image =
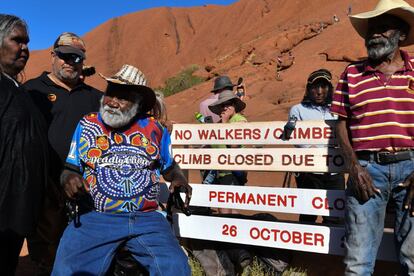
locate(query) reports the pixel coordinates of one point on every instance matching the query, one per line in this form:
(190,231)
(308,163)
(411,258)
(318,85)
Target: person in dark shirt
(63,98)
(23,147)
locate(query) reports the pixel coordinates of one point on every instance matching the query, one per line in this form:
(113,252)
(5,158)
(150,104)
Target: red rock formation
(243,39)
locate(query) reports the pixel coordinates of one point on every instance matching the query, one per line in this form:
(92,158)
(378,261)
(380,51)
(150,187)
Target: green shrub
(182,81)
(256,268)
(196,268)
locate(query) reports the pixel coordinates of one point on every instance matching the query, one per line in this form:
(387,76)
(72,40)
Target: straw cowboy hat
(398,8)
(132,78)
(227,97)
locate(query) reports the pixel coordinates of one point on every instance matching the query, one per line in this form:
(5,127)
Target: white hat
(133,77)
(398,8)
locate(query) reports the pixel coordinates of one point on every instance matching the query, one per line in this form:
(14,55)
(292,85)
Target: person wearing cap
(116,157)
(23,146)
(228,107)
(374,100)
(63,98)
(221,83)
(315,107)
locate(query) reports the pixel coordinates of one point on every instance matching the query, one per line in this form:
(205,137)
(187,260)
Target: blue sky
(47,18)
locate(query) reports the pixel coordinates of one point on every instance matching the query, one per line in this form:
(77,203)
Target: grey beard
(117,118)
(71,78)
(384,47)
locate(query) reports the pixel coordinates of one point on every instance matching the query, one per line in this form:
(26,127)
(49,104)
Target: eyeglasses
(68,58)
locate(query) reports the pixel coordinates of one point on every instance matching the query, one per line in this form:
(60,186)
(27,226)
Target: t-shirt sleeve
(73,160)
(166,151)
(340,99)
(294,111)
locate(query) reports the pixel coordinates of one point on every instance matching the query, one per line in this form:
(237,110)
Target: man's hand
(179,182)
(73,184)
(409,185)
(364,187)
(181,185)
(227,113)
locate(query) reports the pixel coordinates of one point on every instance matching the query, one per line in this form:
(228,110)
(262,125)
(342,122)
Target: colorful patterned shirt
(116,162)
(380,110)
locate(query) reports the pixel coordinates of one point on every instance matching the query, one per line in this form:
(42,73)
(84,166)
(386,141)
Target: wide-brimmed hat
(70,43)
(222,82)
(227,96)
(398,8)
(321,74)
(132,78)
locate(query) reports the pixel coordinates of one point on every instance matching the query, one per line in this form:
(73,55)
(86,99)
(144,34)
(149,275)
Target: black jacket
(23,159)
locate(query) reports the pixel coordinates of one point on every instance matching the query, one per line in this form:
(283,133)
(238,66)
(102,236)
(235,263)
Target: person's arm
(73,184)
(364,187)
(170,170)
(178,181)
(71,178)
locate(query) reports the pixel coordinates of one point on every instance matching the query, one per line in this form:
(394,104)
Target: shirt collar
(408,64)
(49,82)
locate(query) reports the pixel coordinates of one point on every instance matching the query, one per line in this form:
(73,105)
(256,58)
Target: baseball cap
(318,75)
(70,43)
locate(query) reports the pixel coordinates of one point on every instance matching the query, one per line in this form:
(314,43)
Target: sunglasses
(74,58)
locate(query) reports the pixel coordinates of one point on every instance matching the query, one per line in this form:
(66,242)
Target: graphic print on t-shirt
(117,165)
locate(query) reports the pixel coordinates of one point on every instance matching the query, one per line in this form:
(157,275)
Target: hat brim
(360,21)
(148,94)
(217,109)
(65,49)
(320,78)
(218,88)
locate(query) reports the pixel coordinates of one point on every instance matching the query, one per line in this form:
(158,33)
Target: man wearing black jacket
(64,99)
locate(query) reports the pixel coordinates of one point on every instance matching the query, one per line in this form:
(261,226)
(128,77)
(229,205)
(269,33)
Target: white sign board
(263,159)
(309,238)
(257,133)
(266,199)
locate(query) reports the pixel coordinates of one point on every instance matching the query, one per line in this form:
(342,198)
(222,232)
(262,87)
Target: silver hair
(7,24)
(159,111)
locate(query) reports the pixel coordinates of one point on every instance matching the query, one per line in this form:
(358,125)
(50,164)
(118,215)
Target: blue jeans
(364,222)
(89,248)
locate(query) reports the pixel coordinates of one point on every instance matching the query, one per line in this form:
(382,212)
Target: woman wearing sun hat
(228,107)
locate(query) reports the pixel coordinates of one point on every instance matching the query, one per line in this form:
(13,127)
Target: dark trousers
(43,244)
(10,246)
(320,181)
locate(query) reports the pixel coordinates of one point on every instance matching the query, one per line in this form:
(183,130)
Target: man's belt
(385,157)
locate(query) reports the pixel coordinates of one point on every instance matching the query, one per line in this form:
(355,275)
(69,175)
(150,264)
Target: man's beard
(64,76)
(381,47)
(116,118)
